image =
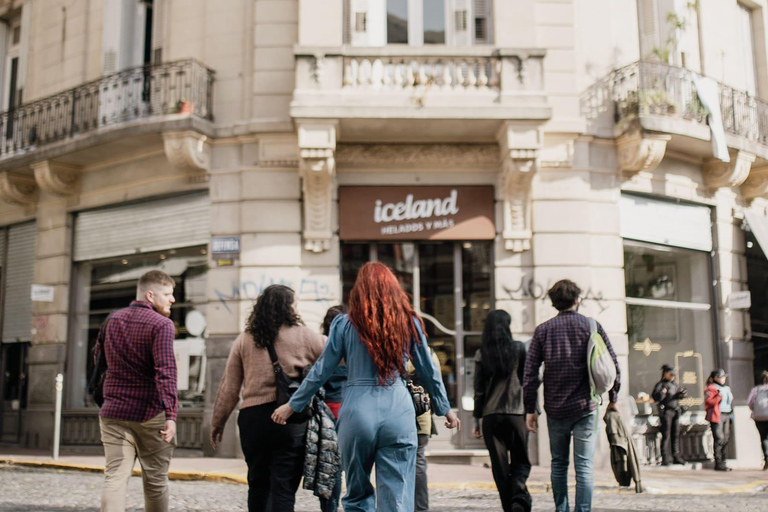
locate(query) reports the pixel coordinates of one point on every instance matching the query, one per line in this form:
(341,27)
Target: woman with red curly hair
(377,420)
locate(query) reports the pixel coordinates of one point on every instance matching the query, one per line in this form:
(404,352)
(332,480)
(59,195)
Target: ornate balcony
(654,97)
(395,91)
(174,91)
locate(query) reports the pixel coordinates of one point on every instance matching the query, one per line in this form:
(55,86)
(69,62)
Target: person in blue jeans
(561,344)
(377,420)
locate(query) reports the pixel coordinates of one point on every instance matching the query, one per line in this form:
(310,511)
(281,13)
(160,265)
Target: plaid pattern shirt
(561,344)
(141,370)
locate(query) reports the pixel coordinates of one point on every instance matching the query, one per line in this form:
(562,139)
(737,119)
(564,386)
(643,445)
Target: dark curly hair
(564,294)
(273,310)
(333,312)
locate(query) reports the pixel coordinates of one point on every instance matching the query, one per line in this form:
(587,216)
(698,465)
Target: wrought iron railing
(650,88)
(184,87)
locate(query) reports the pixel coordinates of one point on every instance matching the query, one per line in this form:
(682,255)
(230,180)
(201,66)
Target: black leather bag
(286,387)
(421,400)
(96,382)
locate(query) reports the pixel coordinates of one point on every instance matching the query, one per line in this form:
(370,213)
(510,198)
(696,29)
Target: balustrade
(441,73)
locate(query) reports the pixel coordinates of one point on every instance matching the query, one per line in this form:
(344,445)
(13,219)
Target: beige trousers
(124,442)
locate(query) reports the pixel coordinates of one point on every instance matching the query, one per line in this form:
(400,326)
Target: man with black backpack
(570,400)
(140,402)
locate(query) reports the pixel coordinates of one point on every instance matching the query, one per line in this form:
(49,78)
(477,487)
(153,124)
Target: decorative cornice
(58,179)
(188,151)
(641,152)
(719,174)
(756,185)
(414,155)
(17,189)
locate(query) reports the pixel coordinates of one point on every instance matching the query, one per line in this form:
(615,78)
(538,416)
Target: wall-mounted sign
(416,213)
(225,245)
(42,293)
(740,300)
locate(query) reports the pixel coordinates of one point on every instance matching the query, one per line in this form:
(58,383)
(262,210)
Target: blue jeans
(584,445)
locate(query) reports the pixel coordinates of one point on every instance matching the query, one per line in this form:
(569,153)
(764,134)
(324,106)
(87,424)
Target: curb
(534,488)
(188,476)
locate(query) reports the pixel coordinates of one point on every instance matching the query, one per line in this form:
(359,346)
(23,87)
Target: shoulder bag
(286,387)
(422,403)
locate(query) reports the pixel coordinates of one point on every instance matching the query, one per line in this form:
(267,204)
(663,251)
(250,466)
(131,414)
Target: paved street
(45,490)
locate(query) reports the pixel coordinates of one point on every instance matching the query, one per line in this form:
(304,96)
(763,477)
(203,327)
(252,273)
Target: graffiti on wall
(307,289)
(529,288)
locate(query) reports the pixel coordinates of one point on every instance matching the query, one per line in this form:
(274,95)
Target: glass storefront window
(431,272)
(107,285)
(477,275)
(669,317)
(400,258)
(436,299)
(353,256)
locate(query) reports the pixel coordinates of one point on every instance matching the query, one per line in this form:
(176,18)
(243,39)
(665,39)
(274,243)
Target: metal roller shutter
(19,274)
(171,223)
(664,222)
(2,248)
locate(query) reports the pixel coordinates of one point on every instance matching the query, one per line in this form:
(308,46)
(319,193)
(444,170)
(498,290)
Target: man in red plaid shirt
(138,418)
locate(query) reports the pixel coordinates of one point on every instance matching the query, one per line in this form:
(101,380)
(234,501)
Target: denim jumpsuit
(377,424)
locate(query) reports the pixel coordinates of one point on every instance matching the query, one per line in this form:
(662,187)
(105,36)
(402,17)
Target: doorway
(451,284)
(13,373)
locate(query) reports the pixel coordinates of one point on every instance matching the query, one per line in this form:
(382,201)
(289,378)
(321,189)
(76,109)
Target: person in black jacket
(667,393)
(499,366)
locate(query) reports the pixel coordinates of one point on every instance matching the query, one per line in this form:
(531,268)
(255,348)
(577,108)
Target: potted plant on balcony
(185,107)
(657,103)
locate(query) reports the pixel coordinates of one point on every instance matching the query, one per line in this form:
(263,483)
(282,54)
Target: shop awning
(758,223)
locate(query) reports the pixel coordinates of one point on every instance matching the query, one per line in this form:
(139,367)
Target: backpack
(602,369)
(760,405)
(96,382)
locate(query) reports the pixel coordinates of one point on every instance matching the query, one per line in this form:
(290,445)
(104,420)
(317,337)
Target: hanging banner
(416,213)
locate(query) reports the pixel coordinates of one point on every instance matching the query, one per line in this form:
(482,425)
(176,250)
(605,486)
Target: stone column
(256,193)
(575,226)
(223,313)
(59,186)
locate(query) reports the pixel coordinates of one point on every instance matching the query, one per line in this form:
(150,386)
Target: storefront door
(452,290)
(13,363)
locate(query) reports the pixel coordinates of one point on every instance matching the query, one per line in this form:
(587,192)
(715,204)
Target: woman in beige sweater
(274,453)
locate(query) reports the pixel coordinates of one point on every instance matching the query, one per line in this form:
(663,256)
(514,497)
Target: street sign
(42,293)
(740,300)
(225,245)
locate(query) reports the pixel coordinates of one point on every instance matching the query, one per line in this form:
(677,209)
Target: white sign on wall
(740,300)
(42,293)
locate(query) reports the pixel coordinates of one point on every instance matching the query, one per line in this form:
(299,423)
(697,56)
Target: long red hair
(384,318)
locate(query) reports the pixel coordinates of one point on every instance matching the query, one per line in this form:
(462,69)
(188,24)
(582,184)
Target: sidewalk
(441,476)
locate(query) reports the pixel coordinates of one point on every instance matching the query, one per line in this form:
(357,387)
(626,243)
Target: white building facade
(483,149)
